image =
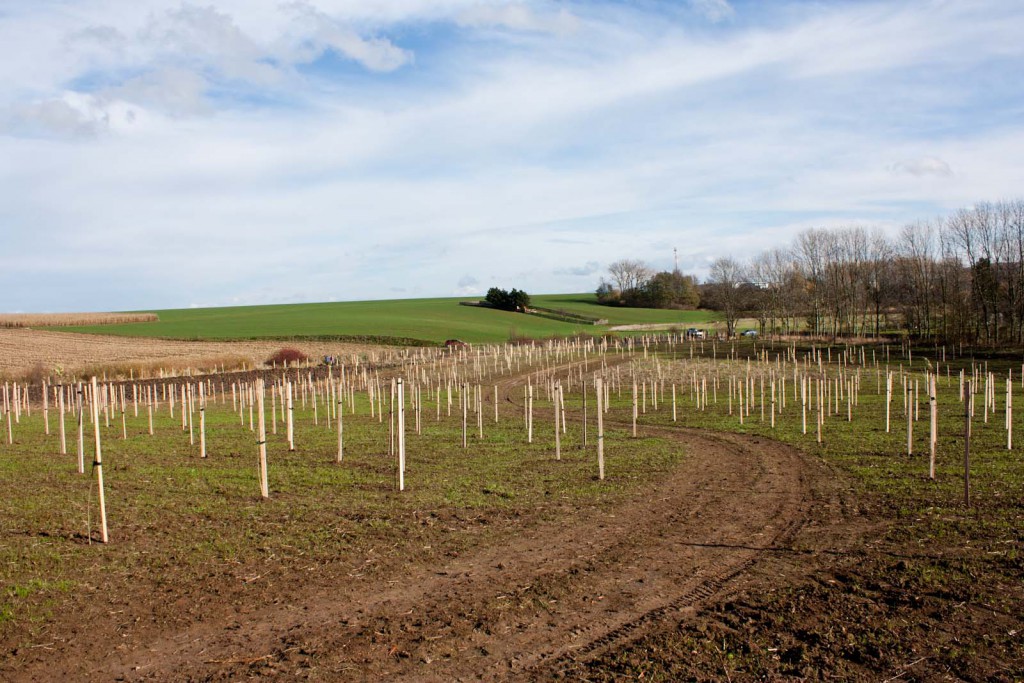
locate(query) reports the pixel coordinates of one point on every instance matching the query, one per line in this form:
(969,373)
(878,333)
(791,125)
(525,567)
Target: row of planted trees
(634,376)
(960,278)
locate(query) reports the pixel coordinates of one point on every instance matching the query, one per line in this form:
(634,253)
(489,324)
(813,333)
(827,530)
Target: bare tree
(810,251)
(629,275)
(725,291)
(877,277)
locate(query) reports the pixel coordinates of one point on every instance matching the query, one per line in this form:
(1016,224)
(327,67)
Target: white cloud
(714,10)
(518,16)
(922,166)
(72,115)
(627,134)
(323,32)
(176,91)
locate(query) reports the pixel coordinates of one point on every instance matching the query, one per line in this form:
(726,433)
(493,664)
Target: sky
(232,152)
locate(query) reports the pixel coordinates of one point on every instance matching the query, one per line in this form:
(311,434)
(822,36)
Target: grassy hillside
(423,319)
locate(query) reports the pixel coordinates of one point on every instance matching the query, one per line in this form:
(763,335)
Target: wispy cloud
(518,16)
(922,167)
(256,151)
(714,10)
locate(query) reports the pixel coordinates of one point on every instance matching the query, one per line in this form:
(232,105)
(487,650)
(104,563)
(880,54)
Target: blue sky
(169,154)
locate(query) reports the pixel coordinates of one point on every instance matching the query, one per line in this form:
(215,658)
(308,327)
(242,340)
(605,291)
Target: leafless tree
(726,291)
(629,275)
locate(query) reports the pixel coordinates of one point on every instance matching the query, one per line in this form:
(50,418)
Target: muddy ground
(750,561)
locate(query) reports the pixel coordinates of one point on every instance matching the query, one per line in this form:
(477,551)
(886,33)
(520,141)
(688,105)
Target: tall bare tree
(725,291)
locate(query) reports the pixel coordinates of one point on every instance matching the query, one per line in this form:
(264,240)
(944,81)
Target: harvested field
(18,320)
(24,351)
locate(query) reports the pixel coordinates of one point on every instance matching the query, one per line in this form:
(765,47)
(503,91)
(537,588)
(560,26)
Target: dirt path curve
(522,609)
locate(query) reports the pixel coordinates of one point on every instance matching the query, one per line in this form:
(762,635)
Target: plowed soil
(21,350)
(523,608)
(529,603)
(749,561)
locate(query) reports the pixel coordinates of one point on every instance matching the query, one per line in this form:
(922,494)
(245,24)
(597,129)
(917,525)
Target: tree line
(958,278)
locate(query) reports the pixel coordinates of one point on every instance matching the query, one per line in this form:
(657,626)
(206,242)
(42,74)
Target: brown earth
(22,350)
(751,561)
(527,603)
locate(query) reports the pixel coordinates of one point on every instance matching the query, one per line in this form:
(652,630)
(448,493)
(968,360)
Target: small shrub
(287,355)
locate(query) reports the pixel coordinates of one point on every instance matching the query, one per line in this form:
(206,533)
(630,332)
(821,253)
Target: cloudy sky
(169,154)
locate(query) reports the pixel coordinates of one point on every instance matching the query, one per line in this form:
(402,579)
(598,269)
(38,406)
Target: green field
(429,320)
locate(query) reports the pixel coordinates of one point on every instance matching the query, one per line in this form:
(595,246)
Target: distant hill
(391,321)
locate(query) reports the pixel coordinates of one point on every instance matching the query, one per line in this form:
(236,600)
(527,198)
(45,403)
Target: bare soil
(525,602)
(22,350)
(751,561)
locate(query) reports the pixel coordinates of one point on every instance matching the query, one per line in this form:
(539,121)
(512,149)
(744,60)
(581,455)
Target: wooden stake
(97,465)
(599,385)
(967,448)
(291,419)
(261,438)
(202,421)
(933,427)
(81,430)
(340,407)
(63,439)
(635,408)
(558,430)
(401,435)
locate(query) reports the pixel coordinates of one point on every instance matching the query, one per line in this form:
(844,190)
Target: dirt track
(559,593)
(527,604)
(524,607)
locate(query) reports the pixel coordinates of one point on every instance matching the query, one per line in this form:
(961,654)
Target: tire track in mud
(533,604)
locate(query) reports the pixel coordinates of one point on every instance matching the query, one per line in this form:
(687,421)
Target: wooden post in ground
(584,413)
(81,429)
(202,421)
(888,399)
(46,411)
(910,428)
(635,408)
(261,438)
(291,418)
(465,415)
(10,429)
(63,437)
(558,429)
(934,426)
(97,465)
(188,400)
(599,385)
(401,435)
(340,407)
(967,447)
(1009,414)
(529,414)
(803,401)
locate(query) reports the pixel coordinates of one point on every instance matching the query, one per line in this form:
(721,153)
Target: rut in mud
(560,592)
(527,606)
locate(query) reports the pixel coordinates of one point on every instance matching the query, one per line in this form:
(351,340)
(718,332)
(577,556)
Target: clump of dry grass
(164,368)
(15,320)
